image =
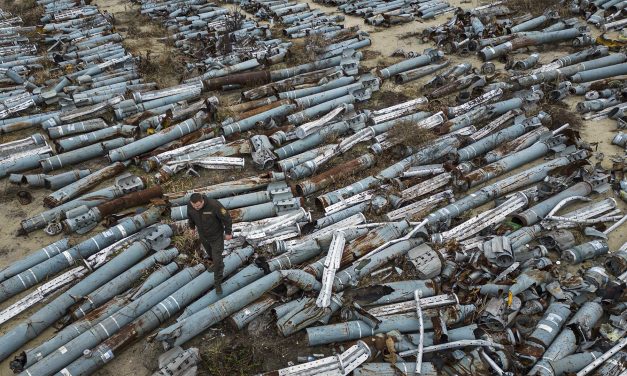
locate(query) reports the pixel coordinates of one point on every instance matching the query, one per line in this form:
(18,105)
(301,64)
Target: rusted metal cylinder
(335,174)
(90,218)
(506,164)
(489,53)
(246,106)
(130,200)
(70,191)
(243,79)
(199,135)
(259,110)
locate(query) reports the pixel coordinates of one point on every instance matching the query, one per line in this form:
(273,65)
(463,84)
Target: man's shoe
(219,289)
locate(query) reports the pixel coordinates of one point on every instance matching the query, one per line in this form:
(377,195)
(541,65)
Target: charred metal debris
(468,229)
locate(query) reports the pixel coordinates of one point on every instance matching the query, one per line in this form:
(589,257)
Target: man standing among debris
(212,222)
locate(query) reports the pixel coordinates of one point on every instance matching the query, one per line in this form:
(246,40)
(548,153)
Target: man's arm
(190,220)
(225,218)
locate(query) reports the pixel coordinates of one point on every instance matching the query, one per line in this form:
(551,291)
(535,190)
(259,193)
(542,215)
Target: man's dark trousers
(214,248)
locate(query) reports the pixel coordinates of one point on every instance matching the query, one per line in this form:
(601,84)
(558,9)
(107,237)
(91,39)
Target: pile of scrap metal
(489,30)
(378,12)
(299,20)
(490,27)
(222,42)
(438,257)
(605,14)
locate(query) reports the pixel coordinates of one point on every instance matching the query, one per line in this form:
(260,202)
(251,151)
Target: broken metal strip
(506,272)
(454,345)
(75,115)
(590,221)
(342,364)
(275,223)
(401,106)
(426,186)
(40,150)
(600,360)
(217,141)
(566,201)
(484,98)
(494,124)
(15,104)
(545,68)
(420,206)
(308,128)
(243,226)
(587,214)
(472,243)
(425,170)
(592,210)
(157,94)
(331,264)
(295,160)
(407,306)
(282,234)
(322,158)
(351,222)
(350,201)
(349,142)
(96,260)
(226,161)
(432,121)
(396,114)
(212,166)
(393,115)
(498,370)
(615,225)
(486,219)
(41,293)
(382,137)
(421,328)
(18,144)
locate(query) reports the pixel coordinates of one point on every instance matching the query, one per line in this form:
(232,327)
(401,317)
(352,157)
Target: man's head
(197,201)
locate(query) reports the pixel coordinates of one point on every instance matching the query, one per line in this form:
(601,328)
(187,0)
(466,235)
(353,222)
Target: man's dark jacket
(212,220)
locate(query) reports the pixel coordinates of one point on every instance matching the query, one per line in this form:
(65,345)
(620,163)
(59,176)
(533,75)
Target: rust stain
(329,177)
(16,127)
(249,105)
(245,79)
(261,109)
(237,214)
(252,183)
(130,200)
(437,329)
(478,176)
(522,42)
(532,351)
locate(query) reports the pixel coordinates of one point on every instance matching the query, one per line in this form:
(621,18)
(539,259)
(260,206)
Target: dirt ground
(224,350)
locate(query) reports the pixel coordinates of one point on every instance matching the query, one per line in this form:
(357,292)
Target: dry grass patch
(382,99)
(408,134)
(561,114)
(222,358)
(537,7)
(180,183)
(164,69)
(28,10)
